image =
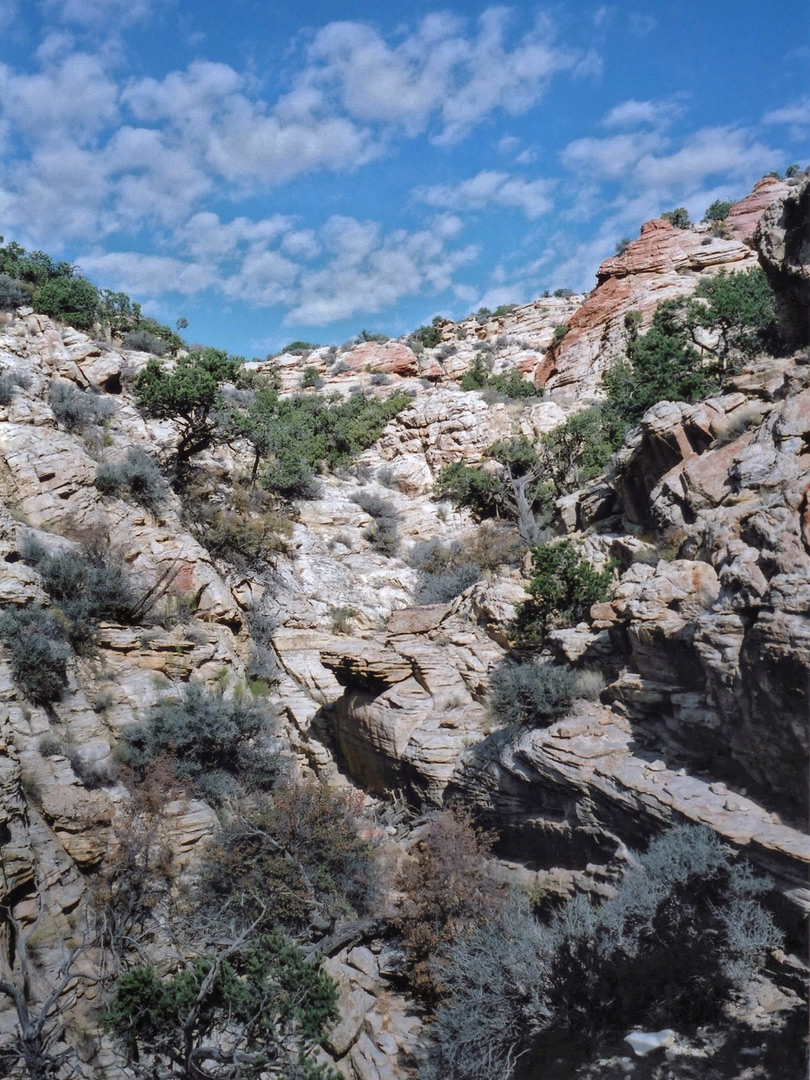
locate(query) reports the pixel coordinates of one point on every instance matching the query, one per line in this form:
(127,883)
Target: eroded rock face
(582,784)
(413,702)
(700,661)
(782,238)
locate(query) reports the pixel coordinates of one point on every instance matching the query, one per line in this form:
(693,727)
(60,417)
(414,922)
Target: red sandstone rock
(390,357)
(743,217)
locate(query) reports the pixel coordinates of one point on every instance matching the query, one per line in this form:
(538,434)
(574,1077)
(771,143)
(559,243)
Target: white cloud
(630,114)
(73,99)
(389,268)
(728,151)
(437,72)
(148,275)
(209,115)
(490,187)
(797,114)
(205,236)
(612,157)
(651,161)
(95,13)
(508,144)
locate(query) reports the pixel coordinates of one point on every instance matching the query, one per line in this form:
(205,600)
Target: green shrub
(564,294)
(468,486)
(559,333)
(562,589)
(428,336)
(191,395)
(379,378)
(299,435)
(219,746)
(39,652)
(718,211)
(289,858)
(516,488)
(73,300)
(508,385)
(530,694)
(311,379)
(742,308)
(76,409)
(299,348)
(679,217)
(137,476)
(254,1003)
(512,386)
(581,448)
(662,365)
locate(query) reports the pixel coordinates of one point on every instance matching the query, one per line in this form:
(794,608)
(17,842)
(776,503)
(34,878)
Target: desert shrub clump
(445,570)
(85,587)
(76,409)
(294,857)
(11,294)
(39,652)
(530,694)
(447,890)
(382,532)
(509,385)
(219,746)
(294,438)
(144,341)
(684,930)
(137,476)
(10,381)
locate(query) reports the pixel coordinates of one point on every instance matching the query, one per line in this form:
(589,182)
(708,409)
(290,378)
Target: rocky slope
(699,711)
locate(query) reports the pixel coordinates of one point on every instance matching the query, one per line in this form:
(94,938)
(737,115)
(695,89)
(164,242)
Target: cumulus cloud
(369,271)
(649,159)
(438,73)
(71,98)
(488,188)
(148,275)
(612,157)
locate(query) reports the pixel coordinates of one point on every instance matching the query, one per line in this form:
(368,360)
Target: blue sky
(275,171)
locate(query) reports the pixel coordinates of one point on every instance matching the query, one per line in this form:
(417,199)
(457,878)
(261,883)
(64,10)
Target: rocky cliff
(698,667)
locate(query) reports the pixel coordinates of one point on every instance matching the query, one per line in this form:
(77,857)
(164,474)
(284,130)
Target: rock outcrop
(783,239)
(664,263)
